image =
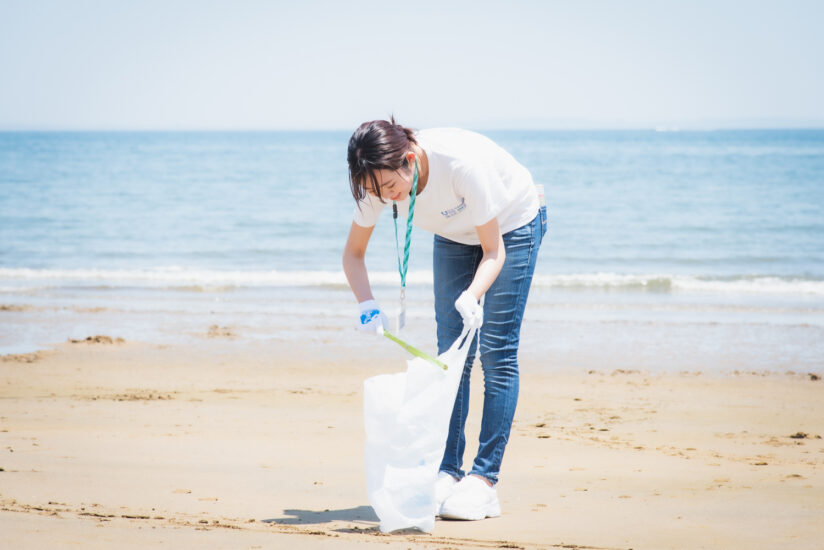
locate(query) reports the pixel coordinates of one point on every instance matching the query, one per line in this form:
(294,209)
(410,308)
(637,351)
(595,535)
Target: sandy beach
(238,444)
(181,365)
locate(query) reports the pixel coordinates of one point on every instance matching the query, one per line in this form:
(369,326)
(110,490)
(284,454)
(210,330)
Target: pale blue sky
(181,64)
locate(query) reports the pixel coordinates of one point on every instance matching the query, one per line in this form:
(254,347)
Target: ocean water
(666,250)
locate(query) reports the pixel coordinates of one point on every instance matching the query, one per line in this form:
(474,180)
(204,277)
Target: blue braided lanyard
(403,266)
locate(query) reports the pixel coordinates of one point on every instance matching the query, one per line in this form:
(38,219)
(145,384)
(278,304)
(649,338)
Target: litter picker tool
(414,351)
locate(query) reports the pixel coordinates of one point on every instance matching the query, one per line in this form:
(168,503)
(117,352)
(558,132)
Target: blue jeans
(454,268)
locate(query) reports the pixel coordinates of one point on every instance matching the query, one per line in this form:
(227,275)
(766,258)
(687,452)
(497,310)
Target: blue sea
(690,250)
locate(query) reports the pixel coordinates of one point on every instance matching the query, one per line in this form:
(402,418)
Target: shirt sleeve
(485,192)
(368,211)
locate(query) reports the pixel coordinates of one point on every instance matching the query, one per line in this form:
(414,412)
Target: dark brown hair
(376,145)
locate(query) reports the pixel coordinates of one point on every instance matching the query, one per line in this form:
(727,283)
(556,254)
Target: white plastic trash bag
(407,419)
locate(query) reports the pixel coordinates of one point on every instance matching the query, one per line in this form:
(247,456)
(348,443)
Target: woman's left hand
(470,310)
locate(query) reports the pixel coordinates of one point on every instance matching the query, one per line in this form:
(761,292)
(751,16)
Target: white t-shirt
(471,180)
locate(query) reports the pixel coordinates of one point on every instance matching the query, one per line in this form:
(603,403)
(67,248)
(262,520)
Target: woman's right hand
(372,320)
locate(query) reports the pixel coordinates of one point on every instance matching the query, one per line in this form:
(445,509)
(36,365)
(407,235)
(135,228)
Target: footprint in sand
(99,339)
(216,331)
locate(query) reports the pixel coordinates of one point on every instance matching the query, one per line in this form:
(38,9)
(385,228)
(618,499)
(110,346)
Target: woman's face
(393,185)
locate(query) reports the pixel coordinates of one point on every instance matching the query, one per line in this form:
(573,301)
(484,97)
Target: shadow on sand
(310,517)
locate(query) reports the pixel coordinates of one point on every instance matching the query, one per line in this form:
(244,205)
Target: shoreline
(184,444)
(388,353)
(567,331)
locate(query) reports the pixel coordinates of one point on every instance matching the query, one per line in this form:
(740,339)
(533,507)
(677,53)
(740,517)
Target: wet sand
(237,444)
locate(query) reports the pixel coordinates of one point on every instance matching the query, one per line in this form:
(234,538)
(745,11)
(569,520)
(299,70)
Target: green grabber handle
(414,351)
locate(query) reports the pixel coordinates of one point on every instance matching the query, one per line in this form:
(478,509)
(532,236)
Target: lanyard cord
(403,267)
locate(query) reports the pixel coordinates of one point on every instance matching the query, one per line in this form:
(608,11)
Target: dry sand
(231,444)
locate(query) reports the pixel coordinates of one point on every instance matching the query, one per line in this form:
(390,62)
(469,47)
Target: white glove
(372,319)
(470,310)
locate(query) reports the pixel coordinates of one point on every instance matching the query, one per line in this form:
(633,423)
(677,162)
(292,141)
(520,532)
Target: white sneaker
(443,488)
(471,499)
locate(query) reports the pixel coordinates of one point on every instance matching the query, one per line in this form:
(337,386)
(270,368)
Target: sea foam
(179,278)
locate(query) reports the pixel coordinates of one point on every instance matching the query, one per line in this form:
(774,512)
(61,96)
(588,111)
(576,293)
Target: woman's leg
(503,312)
(454,266)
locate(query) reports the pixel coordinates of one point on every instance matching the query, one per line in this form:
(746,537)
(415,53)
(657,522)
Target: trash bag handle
(464,339)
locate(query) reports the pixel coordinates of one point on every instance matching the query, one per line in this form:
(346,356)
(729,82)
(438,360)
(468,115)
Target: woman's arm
(492,243)
(354,265)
